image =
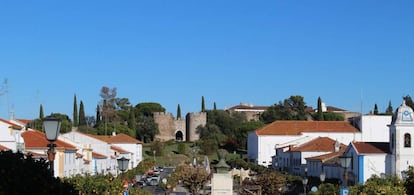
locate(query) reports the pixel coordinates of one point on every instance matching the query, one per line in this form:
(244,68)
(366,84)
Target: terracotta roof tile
(330,156)
(36,139)
(4,147)
(99,156)
(298,127)
(119,150)
(319,144)
(119,138)
(12,125)
(371,147)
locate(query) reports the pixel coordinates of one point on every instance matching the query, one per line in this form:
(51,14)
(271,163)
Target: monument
(222,181)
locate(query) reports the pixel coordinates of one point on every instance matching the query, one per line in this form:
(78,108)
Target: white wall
(374,128)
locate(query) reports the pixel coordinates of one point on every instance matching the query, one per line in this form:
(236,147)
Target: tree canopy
(292,108)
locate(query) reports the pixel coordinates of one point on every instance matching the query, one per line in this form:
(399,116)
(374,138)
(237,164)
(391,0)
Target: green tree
(132,122)
(409,101)
(22,174)
(376,109)
(214,106)
(193,178)
(75,111)
(146,129)
(97,184)
(82,117)
(66,123)
(320,111)
(98,115)
(270,182)
(203,105)
(409,181)
(389,110)
(390,185)
(292,108)
(41,115)
(178,111)
(148,108)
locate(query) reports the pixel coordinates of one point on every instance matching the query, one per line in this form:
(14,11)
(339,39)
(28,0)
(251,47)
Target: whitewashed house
(261,143)
(65,157)
(10,135)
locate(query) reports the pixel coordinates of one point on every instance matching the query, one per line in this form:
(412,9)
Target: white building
(10,135)
(261,143)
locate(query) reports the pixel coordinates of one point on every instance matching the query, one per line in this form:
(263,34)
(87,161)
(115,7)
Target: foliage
(376,109)
(157,146)
(243,130)
(271,183)
(390,185)
(409,101)
(327,189)
(389,110)
(82,116)
(409,181)
(320,111)
(75,112)
(146,129)
(292,108)
(203,104)
(41,114)
(24,175)
(182,148)
(178,111)
(194,178)
(147,108)
(332,116)
(97,184)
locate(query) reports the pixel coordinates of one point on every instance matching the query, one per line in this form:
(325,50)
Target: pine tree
(75,112)
(389,110)
(82,117)
(203,107)
(320,111)
(375,109)
(41,115)
(178,111)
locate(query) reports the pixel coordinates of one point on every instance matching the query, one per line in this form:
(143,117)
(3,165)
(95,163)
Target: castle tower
(194,120)
(401,146)
(169,127)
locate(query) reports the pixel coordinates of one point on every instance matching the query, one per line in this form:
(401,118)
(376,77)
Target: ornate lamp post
(51,126)
(123,164)
(305,183)
(345,163)
(322,177)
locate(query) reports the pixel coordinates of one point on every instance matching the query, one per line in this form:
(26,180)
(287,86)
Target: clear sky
(350,53)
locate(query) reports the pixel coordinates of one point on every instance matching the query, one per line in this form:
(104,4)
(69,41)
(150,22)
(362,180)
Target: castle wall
(194,120)
(168,126)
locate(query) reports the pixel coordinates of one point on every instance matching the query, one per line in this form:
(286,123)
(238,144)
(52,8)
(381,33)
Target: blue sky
(352,54)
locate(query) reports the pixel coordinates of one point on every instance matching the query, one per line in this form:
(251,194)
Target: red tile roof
(371,147)
(333,156)
(99,156)
(12,125)
(36,139)
(119,138)
(319,144)
(4,147)
(119,150)
(298,127)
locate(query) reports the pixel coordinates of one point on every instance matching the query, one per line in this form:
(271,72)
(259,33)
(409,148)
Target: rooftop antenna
(4,91)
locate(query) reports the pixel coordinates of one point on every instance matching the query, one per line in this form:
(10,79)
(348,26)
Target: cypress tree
(375,109)
(98,114)
(41,115)
(132,123)
(178,111)
(215,106)
(82,117)
(320,111)
(203,107)
(389,110)
(75,112)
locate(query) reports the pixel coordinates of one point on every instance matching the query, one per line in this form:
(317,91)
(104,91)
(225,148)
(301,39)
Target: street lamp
(322,177)
(51,126)
(304,182)
(122,164)
(345,163)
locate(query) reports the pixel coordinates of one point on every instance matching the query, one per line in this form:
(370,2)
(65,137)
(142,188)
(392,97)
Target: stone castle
(179,129)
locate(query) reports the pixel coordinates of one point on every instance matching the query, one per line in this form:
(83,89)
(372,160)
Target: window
(407,140)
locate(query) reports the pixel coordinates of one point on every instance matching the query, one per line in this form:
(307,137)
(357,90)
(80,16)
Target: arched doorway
(179,136)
